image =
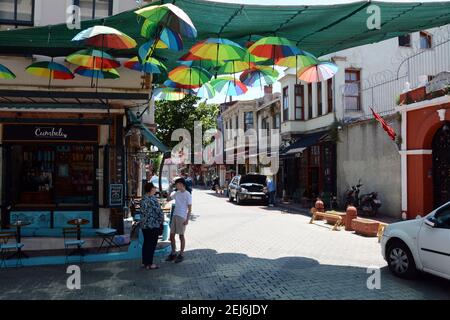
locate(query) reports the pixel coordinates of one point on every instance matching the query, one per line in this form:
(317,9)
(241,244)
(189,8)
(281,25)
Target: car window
(443,217)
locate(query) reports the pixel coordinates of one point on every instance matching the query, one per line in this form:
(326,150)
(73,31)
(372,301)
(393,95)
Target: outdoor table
(18,225)
(78,223)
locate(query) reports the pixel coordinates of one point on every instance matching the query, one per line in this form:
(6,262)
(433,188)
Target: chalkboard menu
(116,195)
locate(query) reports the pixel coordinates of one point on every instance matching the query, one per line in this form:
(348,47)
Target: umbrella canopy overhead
(322,71)
(151,65)
(170,94)
(298,61)
(105,37)
(273,48)
(50,69)
(189,75)
(206,91)
(99,74)
(93,58)
(230,67)
(169,15)
(229,86)
(5,73)
(218,49)
(259,75)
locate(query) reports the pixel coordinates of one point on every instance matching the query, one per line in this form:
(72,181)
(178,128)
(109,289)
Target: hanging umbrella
(105,37)
(229,86)
(206,91)
(151,65)
(273,48)
(322,71)
(166,15)
(260,74)
(172,39)
(93,58)
(192,60)
(145,50)
(96,73)
(230,67)
(5,73)
(302,60)
(218,49)
(189,75)
(170,84)
(169,94)
(50,70)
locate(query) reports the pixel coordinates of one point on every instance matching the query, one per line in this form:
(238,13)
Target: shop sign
(115,195)
(43,132)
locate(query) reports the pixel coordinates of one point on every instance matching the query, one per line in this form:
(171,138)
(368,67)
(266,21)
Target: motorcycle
(367,204)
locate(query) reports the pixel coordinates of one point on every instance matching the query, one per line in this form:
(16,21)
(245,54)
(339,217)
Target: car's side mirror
(430,223)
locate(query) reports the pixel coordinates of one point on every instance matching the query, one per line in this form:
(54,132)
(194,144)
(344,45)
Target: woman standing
(151,219)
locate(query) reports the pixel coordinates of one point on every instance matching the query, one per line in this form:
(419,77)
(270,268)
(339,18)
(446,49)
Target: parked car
(164,184)
(248,187)
(422,244)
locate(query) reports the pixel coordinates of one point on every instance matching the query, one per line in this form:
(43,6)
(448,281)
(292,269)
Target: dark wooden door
(441,165)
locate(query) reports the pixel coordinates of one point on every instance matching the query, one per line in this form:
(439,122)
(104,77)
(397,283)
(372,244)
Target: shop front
(49,174)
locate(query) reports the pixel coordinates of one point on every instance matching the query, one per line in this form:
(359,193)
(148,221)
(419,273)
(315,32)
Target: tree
(172,115)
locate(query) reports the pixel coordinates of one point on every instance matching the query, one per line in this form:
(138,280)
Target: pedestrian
(272,191)
(152,218)
(180,219)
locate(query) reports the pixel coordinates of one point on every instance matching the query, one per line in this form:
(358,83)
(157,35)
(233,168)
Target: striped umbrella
(145,50)
(172,39)
(50,70)
(105,37)
(229,86)
(218,49)
(169,94)
(273,48)
(260,74)
(93,58)
(96,73)
(5,73)
(230,67)
(322,71)
(151,65)
(206,91)
(189,76)
(170,84)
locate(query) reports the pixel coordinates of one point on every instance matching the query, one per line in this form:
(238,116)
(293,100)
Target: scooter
(367,204)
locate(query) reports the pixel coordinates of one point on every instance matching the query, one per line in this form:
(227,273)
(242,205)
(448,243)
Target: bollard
(350,214)
(320,207)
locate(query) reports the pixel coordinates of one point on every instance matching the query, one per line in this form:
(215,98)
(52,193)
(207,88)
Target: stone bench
(366,227)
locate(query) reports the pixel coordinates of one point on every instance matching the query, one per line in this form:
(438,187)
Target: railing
(382,90)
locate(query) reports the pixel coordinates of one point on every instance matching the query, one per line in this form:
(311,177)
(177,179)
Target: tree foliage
(172,115)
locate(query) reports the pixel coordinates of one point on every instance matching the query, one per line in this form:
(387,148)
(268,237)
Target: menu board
(116,195)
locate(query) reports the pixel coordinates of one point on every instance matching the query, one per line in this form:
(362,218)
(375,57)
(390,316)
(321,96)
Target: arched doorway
(441,165)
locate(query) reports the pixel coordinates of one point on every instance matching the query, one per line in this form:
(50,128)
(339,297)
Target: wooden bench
(327,215)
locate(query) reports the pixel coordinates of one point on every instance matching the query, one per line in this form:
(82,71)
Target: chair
(71,239)
(107,235)
(6,247)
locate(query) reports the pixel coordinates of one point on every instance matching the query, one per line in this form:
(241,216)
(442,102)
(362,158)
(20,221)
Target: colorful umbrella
(206,91)
(229,86)
(189,75)
(50,69)
(105,37)
(96,73)
(93,59)
(260,74)
(169,94)
(191,60)
(151,65)
(167,15)
(273,48)
(146,49)
(230,67)
(302,60)
(5,73)
(322,71)
(218,49)
(171,39)
(170,84)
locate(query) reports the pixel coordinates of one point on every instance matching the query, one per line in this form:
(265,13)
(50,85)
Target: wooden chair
(6,247)
(71,240)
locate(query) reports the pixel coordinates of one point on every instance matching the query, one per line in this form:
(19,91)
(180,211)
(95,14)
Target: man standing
(180,219)
(271,189)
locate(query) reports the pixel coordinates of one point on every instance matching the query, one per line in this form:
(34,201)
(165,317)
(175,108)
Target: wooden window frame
(299,91)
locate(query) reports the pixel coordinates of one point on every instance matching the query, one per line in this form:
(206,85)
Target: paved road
(237,252)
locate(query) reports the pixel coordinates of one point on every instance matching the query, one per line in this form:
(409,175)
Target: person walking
(180,219)
(272,191)
(151,219)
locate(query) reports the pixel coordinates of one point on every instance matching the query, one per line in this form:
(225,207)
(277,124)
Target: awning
(146,133)
(304,141)
(319,29)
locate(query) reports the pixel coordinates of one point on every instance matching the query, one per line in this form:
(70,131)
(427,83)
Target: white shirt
(182,201)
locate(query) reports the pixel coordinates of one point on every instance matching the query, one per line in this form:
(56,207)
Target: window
(352,90)
(17,12)
(330,95)
(310,104)
(277,121)
(442,217)
(404,40)
(248,120)
(319,98)
(299,102)
(94,9)
(237,122)
(425,40)
(285,103)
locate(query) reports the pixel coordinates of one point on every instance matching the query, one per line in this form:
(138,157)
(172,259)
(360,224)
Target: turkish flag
(385,126)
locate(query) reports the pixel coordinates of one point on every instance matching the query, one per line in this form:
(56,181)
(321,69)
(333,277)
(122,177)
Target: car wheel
(400,260)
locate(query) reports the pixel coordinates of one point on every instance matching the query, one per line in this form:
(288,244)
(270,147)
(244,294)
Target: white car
(419,245)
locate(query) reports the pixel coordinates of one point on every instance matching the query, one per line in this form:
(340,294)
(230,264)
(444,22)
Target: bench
(327,215)
(366,227)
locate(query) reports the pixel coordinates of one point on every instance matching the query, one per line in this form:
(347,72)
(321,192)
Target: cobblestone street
(237,252)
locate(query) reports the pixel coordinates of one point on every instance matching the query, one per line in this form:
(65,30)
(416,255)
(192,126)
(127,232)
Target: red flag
(385,126)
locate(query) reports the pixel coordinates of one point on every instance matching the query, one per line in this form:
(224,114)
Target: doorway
(441,165)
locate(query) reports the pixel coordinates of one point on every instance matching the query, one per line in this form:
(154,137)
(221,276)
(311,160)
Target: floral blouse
(151,213)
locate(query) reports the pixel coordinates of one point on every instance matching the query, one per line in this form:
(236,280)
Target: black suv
(248,187)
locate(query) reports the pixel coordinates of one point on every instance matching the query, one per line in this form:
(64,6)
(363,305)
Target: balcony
(297,126)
